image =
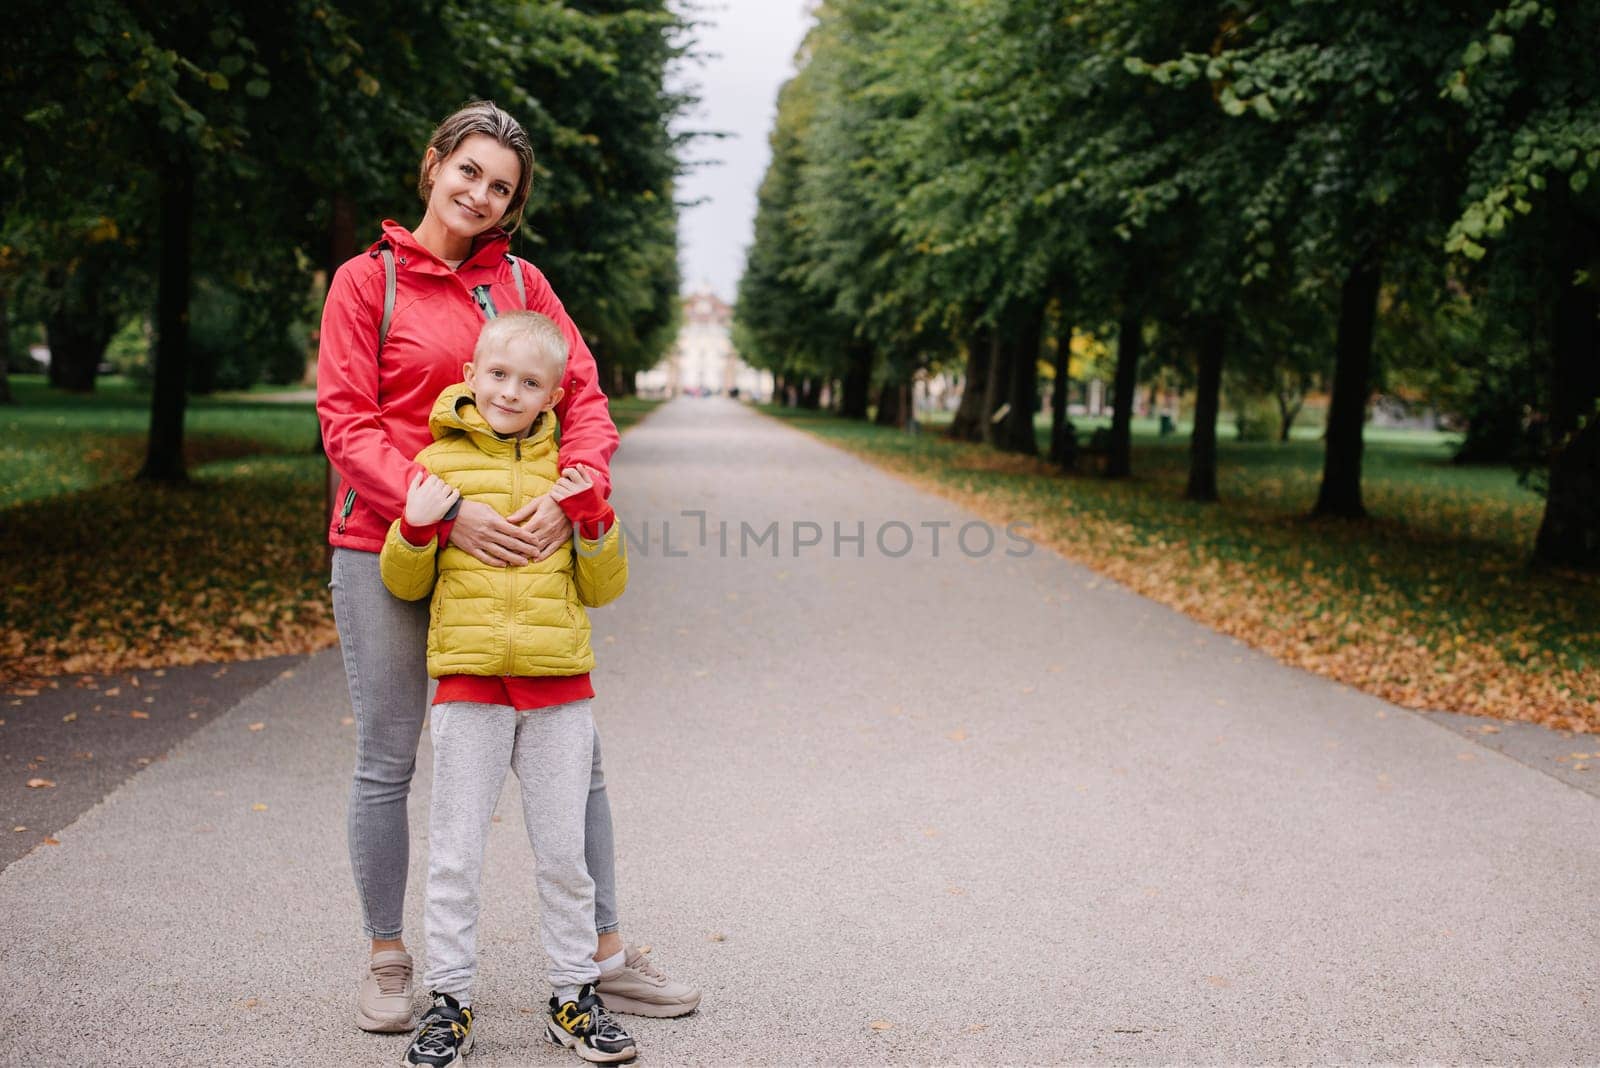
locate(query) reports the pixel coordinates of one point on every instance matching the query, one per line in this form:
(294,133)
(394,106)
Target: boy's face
(511,385)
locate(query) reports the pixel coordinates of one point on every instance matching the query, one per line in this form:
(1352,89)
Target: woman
(449,273)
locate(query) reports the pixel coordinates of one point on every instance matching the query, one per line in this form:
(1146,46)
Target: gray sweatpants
(550,750)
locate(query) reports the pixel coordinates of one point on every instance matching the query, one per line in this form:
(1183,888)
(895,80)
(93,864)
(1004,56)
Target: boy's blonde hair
(536,331)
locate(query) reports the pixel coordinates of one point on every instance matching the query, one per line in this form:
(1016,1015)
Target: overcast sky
(752,45)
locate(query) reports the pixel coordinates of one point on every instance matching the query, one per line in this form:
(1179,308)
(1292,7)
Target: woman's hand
(493,539)
(544,522)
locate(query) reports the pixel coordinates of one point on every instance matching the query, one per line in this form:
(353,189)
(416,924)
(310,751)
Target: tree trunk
(341,232)
(5,349)
(857,382)
(891,408)
(967,425)
(1290,400)
(1063,436)
(164,459)
(1130,346)
(811,394)
(78,329)
(1203,441)
(1340,494)
(1016,431)
(996,382)
(1569,534)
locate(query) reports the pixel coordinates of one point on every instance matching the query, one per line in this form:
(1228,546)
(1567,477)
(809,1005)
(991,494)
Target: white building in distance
(702,361)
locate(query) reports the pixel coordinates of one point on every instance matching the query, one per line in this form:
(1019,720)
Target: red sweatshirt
(375,412)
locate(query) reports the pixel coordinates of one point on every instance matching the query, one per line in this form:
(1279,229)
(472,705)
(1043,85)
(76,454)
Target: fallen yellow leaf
(69,717)
(882,1025)
(138,715)
(258,807)
(258,726)
(39,784)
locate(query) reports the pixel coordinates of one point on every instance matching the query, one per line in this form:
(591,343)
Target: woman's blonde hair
(482,117)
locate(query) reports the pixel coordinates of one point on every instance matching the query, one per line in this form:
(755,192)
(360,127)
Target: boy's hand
(573,481)
(428,499)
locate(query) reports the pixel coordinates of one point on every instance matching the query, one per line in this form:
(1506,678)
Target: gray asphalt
(926,809)
(89,734)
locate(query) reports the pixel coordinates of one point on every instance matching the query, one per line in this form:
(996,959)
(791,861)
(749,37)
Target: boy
(510,648)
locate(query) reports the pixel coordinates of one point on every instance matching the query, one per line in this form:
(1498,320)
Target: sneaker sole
(654,1010)
(391,1025)
(560,1038)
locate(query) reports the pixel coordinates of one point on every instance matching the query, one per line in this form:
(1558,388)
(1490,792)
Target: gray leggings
(384,641)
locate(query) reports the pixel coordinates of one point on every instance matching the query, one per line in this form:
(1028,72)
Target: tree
(1532,219)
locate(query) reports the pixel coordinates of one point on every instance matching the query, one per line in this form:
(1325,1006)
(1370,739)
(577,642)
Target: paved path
(886,810)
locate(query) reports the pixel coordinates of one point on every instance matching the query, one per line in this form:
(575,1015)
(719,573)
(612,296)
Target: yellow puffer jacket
(526,621)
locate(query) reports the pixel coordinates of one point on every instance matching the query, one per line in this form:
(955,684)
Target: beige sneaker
(385,1001)
(639,989)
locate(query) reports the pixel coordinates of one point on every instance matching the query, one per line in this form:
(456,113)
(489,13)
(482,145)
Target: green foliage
(940,164)
(291,118)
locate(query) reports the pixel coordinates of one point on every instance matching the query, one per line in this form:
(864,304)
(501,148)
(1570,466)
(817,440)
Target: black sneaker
(585,1027)
(444,1036)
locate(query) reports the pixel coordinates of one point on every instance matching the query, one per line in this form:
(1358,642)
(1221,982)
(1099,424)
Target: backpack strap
(486,306)
(516,276)
(388,295)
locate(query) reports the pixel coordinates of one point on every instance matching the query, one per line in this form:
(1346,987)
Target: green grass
(54,443)
(1441,562)
(101,572)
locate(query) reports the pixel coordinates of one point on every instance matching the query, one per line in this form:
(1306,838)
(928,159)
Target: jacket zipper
(480,295)
(511,606)
(349,503)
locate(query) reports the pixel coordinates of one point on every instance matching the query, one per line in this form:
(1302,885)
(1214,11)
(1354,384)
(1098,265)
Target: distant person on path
(448,274)
(512,656)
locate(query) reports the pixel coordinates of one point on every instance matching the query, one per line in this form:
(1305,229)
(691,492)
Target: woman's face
(472,186)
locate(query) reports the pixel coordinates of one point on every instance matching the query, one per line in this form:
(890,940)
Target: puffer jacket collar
(455,413)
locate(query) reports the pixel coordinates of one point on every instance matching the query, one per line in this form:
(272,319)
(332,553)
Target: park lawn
(1429,603)
(103,573)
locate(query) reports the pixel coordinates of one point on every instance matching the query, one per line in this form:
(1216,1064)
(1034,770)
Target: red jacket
(375,412)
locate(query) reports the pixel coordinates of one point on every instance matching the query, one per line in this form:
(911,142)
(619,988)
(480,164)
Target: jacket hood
(456,413)
(488,248)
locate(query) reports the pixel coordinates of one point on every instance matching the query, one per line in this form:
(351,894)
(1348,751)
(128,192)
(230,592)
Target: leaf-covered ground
(1430,603)
(102,573)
